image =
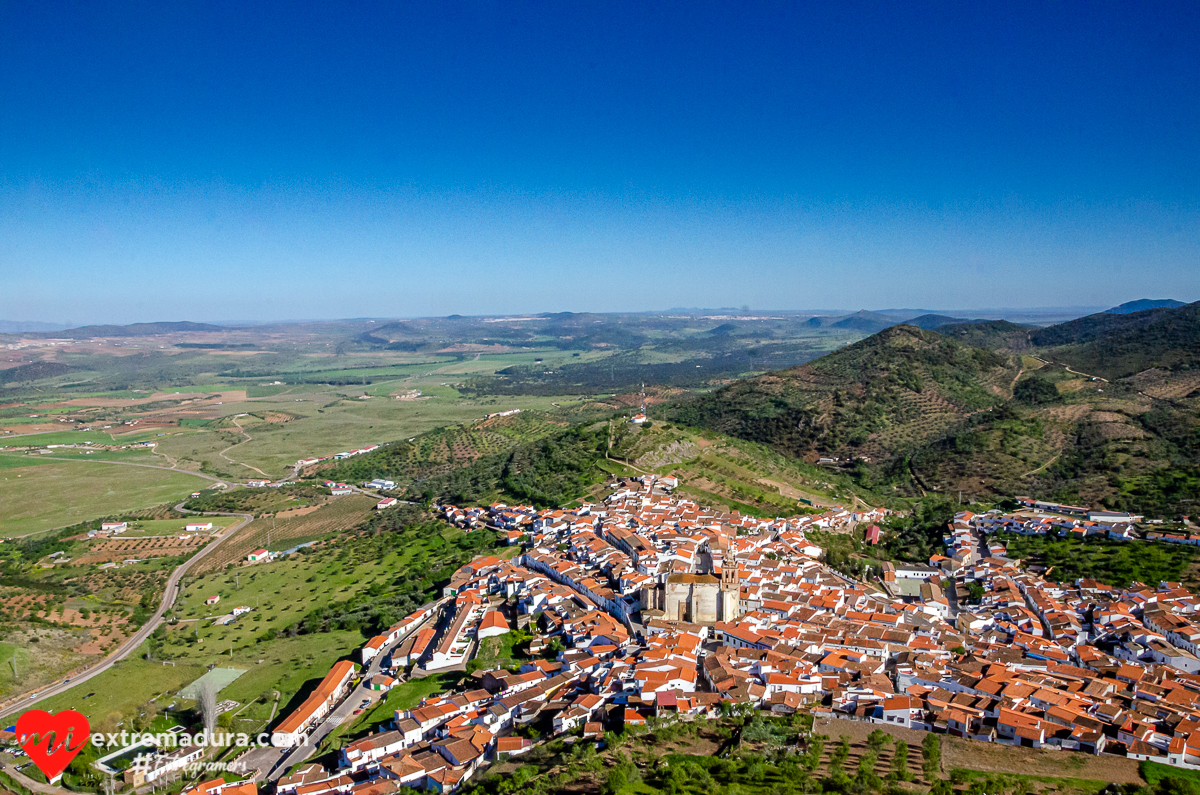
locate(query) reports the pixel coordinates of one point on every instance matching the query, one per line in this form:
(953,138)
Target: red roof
(493,620)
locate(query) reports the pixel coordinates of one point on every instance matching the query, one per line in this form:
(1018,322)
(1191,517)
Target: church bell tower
(731,587)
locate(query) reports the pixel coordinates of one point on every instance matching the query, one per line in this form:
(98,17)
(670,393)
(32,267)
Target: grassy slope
(934,417)
(890,393)
(284,593)
(61,493)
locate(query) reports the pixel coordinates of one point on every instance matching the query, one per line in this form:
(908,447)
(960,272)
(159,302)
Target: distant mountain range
(1103,410)
(132,330)
(23,326)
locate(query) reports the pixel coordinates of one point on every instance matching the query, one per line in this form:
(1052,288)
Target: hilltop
(899,388)
(1143,303)
(993,334)
(132,330)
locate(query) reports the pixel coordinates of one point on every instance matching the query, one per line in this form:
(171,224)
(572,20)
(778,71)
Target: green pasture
(162,527)
(55,437)
(330,422)
(54,494)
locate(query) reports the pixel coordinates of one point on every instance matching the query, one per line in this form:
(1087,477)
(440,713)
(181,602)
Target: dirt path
(1069,370)
(174,464)
(795,494)
(1012,387)
(34,786)
(1043,466)
(239,463)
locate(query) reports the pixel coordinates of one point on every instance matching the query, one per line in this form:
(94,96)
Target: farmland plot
(339,514)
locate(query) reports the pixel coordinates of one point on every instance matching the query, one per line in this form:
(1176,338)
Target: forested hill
(913,411)
(895,390)
(1114,346)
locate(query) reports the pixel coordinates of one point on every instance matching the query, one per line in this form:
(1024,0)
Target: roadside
(35,786)
(170,594)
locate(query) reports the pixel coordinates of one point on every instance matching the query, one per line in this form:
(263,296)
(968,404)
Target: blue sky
(218,161)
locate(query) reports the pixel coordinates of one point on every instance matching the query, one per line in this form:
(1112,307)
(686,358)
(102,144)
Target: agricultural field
(124,548)
(763,755)
(442,450)
(166,527)
(324,421)
(53,494)
(308,611)
(55,437)
(283,532)
(261,501)
(1116,562)
(82,596)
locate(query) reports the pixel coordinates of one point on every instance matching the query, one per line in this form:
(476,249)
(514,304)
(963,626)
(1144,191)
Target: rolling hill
(899,388)
(1116,346)
(992,410)
(132,330)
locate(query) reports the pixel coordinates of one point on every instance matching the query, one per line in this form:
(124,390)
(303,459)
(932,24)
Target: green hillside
(910,412)
(893,391)
(1116,346)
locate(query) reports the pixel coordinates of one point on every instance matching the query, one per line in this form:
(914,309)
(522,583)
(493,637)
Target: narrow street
(287,758)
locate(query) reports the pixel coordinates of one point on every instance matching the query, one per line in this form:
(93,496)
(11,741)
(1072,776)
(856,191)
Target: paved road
(34,786)
(170,594)
(345,711)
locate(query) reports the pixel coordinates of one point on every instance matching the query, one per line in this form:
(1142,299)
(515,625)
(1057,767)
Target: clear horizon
(983,313)
(220,161)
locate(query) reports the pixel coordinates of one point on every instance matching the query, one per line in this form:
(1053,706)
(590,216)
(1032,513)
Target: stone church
(698,598)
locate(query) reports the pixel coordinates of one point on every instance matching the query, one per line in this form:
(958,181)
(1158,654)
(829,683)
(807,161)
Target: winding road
(170,594)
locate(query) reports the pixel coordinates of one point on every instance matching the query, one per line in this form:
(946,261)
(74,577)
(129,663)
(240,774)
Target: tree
(941,787)
(976,591)
(1036,391)
(931,756)
(865,775)
(616,781)
(207,704)
(900,762)
(816,747)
